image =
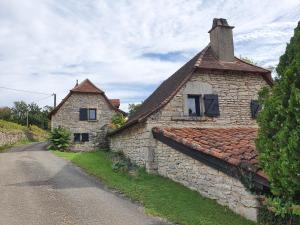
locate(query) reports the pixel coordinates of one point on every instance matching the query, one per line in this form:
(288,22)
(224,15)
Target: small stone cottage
(86,112)
(198,127)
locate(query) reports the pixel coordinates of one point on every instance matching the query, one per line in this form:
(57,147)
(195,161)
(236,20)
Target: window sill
(189,118)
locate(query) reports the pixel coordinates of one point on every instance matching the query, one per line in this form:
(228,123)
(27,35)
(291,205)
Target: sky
(126,47)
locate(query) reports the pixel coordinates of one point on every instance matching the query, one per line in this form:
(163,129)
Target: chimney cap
(220,22)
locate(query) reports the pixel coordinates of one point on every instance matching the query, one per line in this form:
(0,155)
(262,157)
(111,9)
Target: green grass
(3,148)
(160,196)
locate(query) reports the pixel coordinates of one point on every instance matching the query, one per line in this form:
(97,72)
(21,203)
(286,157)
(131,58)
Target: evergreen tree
(278,141)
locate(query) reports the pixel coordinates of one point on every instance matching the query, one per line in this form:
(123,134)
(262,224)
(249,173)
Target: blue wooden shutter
(211,104)
(255,107)
(84,137)
(83,114)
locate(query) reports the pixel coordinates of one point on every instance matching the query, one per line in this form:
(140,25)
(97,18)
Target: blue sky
(126,47)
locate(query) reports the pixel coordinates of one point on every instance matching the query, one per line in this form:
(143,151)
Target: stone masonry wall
(68,117)
(133,142)
(207,181)
(10,137)
(235,92)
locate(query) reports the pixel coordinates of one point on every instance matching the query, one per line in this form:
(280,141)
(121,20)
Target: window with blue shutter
(255,107)
(83,114)
(211,104)
(194,105)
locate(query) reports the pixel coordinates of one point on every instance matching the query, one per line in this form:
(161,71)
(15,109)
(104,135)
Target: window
(86,114)
(199,105)
(92,114)
(194,105)
(84,137)
(81,137)
(76,137)
(255,107)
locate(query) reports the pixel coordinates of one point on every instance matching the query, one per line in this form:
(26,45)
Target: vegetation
(18,114)
(31,134)
(160,196)
(60,139)
(118,120)
(278,140)
(133,108)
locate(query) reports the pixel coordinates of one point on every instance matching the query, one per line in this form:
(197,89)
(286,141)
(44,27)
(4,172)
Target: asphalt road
(38,188)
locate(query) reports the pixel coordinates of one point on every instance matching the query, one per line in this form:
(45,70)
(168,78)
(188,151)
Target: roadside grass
(4,148)
(160,196)
(30,134)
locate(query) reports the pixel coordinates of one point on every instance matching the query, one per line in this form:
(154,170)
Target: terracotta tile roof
(203,61)
(86,86)
(115,102)
(232,145)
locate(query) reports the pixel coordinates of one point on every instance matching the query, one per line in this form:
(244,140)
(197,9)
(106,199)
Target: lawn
(160,196)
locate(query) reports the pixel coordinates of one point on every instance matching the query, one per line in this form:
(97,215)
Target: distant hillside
(11,133)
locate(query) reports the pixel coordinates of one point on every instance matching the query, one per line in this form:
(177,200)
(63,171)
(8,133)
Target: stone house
(86,112)
(198,127)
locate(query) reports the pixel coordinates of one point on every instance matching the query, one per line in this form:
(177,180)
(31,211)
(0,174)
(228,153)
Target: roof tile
(233,145)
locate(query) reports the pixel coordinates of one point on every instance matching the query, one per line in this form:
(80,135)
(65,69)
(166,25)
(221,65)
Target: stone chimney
(221,40)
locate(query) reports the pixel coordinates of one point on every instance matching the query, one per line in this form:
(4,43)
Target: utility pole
(54,98)
(27,118)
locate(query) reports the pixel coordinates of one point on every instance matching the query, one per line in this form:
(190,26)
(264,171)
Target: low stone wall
(11,137)
(209,182)
(133,142)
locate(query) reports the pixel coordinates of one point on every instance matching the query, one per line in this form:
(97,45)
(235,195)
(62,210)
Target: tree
(278,141)
(36,115)
(5,113)
(133,108)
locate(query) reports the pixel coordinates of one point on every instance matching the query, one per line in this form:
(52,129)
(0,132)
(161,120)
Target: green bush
(267,216)
(118,120)
(121,163)
(278,141)
(59,139)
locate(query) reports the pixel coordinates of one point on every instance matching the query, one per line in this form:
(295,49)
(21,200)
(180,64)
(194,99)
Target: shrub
(59,139)
(38,134)
(118,120)
(121,163)
(278,141)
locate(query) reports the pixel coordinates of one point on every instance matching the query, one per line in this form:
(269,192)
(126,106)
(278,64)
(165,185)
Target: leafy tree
(36,115)
(133,108)
(59,139)
(278,141)
(5,113)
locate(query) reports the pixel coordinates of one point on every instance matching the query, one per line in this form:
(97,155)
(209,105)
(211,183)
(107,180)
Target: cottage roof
(88,87)
(204,61)
(234,146)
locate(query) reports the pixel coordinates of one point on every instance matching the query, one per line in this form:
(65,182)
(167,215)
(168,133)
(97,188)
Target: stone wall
(235,92)
(209,182)
(68,117)
(11,137)
(133,142)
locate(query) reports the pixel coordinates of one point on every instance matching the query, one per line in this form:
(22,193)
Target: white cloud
(47,44)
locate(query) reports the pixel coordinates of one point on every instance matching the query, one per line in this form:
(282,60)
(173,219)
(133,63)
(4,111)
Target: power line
(32,92)
(40,99)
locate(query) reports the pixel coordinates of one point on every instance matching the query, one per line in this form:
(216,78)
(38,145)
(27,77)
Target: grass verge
(4,148)
(160,196)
